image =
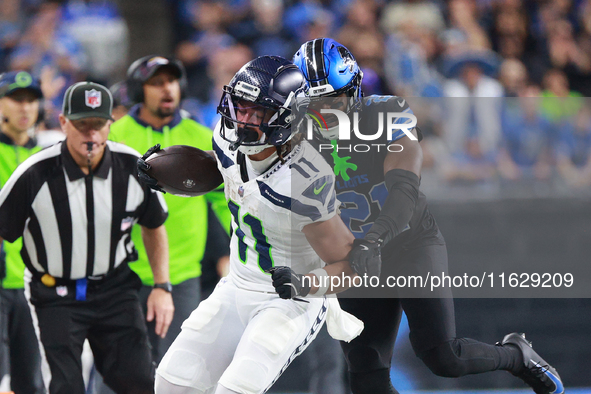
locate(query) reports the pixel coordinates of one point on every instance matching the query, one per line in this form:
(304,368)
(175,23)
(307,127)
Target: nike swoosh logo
(317,191)
(401,103)
(559,387)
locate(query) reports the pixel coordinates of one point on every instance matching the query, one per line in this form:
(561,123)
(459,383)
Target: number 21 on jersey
(261,246)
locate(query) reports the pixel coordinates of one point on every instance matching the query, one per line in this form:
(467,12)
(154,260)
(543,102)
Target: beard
(164,112)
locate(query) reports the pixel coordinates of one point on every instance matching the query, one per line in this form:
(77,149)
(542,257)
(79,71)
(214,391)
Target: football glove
(366,257)
(143,167)
(288,284)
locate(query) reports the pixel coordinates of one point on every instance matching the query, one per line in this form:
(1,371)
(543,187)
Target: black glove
(366,257)
(288,284)
(143,167)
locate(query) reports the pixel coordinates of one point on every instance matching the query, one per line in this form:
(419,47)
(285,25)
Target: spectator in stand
(361,34)
(585,41)
(416,15)
(102,32)
(463,15)
(513,77)
(309,20)
(46,44)
(209,18)
(410,61)
(222,67)
(472,127)
(573,155)
(512,38)
(264,31)
(11,27)
(559,101)
(565,54)
(525,151)
(362,16)
(370,56)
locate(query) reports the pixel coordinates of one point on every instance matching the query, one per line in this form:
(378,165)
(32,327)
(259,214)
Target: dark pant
(185,296)
(19,333)
(432,329)
(111,319)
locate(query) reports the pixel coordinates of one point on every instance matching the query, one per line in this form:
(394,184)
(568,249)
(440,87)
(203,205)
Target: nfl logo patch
(93,98)
(61,291)
(241,191)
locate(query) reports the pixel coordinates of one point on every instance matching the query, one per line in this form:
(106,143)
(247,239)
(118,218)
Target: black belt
(92,280)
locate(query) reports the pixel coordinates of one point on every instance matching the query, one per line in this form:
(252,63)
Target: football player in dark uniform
(384,208)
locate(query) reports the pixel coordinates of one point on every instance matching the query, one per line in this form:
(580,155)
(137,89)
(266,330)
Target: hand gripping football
(184,171)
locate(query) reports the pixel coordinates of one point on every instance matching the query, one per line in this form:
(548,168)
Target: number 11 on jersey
(261,246)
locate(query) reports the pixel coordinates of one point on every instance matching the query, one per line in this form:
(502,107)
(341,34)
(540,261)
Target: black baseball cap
(87,100)
(144,68)
(15,80)
(120,93)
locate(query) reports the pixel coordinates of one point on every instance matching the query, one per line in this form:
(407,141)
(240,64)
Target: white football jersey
(270,211)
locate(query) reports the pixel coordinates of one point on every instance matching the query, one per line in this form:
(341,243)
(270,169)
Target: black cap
(87,100)
(15,80)
(121,95)
(144,68)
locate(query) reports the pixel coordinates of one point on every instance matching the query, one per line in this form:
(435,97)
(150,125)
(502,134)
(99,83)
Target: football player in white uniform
(281,195)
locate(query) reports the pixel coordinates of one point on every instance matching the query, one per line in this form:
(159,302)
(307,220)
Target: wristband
(323,280)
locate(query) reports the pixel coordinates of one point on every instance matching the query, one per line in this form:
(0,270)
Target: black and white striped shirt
(73,225)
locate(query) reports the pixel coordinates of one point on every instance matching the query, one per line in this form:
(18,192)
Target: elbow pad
(403,193)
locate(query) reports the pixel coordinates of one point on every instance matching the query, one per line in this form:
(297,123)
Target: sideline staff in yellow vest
(157,84)
(20,97)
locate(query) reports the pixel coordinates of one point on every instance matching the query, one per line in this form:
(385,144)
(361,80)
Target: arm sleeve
(403,193)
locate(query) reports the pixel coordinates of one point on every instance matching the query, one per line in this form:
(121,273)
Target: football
(184,171)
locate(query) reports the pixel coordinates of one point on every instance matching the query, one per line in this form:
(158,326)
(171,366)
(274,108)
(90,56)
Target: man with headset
(158,83)
(20,105)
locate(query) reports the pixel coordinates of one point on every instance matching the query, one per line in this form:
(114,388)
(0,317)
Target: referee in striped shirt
(74,204)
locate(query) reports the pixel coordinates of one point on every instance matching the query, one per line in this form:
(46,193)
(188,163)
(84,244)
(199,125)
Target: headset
(143,68)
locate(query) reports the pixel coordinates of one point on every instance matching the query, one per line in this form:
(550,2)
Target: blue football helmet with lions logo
(269,83)
(330,70)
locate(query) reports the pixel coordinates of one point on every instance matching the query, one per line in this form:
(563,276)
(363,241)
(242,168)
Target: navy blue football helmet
(330,70)
(268,83)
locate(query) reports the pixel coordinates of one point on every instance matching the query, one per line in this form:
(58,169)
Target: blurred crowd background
(499,88)
(505,79)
